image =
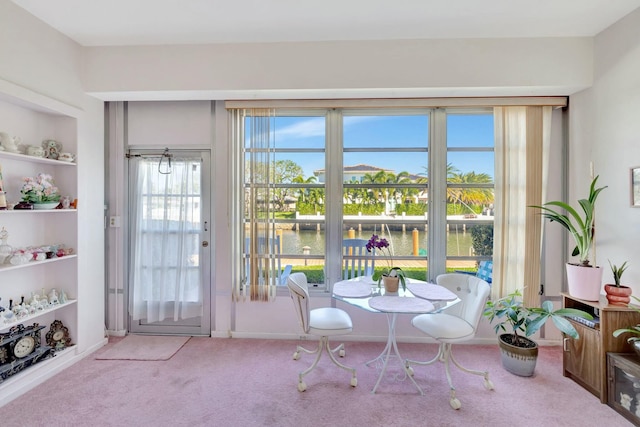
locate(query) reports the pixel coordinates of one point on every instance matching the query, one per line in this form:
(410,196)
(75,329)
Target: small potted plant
(583,279)
(40,191)
(617,293)
(391,276)
(519,353)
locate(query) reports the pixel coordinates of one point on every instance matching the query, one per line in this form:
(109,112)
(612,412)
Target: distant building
(353,173)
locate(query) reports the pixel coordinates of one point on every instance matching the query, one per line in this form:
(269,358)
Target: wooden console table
(585,360)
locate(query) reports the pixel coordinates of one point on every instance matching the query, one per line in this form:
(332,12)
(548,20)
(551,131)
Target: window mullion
(333,207)
(437,238)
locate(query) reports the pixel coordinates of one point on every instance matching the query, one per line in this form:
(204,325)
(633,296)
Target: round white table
(363,293)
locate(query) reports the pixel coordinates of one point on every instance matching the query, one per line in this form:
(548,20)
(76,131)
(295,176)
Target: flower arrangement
(382,245)
(40,189)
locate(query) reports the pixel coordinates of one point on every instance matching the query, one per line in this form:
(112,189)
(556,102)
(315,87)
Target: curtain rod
(554,101)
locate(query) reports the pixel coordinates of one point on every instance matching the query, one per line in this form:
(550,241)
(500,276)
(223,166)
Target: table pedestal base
(386,355)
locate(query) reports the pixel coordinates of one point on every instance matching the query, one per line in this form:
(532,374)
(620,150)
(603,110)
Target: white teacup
(34,150)
(66,157)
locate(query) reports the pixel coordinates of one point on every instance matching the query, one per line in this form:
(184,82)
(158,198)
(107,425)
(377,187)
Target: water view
(458,242)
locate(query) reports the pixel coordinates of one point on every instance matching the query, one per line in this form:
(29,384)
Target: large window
(385,183)
(327,175)
(470,188)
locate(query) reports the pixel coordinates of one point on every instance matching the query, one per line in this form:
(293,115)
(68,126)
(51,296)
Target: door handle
(565,342)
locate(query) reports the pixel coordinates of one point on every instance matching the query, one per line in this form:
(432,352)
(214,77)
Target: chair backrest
(485,271)
(473,293)
(299,292)
(357,261)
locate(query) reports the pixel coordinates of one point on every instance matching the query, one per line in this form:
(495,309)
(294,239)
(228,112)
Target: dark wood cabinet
(585,359)
(623,374)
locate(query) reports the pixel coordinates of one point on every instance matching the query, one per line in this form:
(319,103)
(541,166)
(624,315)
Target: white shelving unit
(35,118)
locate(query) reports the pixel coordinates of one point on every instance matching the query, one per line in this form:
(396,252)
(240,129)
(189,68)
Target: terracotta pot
(584,282)
(390,284)
(618,294)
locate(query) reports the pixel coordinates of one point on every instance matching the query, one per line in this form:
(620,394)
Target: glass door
(169,234)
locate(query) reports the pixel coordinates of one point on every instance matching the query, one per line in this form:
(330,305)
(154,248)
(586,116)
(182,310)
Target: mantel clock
(20,348)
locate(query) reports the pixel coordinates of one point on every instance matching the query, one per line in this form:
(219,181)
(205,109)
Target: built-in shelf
(28,318)
(34,159)
(35,263)
(39,118)
(32,211)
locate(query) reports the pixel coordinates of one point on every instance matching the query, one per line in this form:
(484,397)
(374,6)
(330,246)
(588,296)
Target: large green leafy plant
(581,227)
(513,317)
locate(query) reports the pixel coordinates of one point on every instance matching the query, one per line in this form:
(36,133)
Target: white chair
(456,324)
(323,322)
(357,260)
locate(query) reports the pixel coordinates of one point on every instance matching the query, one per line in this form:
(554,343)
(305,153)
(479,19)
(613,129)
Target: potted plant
(617,293)
(391,276)
(583,279)
(40,191)
(519,353)
(634,339)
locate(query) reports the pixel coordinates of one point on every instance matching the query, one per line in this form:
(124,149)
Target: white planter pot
(584,282)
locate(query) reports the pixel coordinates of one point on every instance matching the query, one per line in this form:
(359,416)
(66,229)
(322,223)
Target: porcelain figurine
(625,401)
(9,143)
(53,297)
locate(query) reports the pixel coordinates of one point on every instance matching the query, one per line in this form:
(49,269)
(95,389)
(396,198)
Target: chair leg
(340,349)
(408,362)
(323,344)
(445,355)
(487,382)
(354,380)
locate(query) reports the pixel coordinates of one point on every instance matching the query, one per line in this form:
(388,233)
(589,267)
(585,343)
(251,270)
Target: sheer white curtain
(165,208)
(523,136)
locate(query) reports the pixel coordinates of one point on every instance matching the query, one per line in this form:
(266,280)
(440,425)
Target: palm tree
(470,196)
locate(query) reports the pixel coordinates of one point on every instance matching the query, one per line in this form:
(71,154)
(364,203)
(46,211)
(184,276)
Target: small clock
(58,336)
(20,348)
(24,346)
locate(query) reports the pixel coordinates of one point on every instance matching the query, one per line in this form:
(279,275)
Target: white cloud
(304,129)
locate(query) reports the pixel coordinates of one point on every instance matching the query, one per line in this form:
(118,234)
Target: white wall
(547,66)
(605,130)
(603,125)
(42,60)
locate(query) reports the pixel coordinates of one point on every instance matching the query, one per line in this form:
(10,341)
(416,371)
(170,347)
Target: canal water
(401,243)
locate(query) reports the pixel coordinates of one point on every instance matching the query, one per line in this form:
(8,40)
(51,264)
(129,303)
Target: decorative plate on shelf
(52,149)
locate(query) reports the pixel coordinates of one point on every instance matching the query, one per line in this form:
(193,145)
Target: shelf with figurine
(32,263)
(37,193)
(11,258)
(7,322)
(50,152)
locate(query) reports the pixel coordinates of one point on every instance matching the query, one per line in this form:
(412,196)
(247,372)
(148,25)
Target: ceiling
(154,22)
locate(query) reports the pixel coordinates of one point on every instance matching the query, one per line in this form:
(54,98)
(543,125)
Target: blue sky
(395,131)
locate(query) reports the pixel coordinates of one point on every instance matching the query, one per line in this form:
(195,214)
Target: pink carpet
(244,382)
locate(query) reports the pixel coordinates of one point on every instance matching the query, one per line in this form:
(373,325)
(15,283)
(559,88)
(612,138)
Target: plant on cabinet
(583,279)
(519,353)
(617,293)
